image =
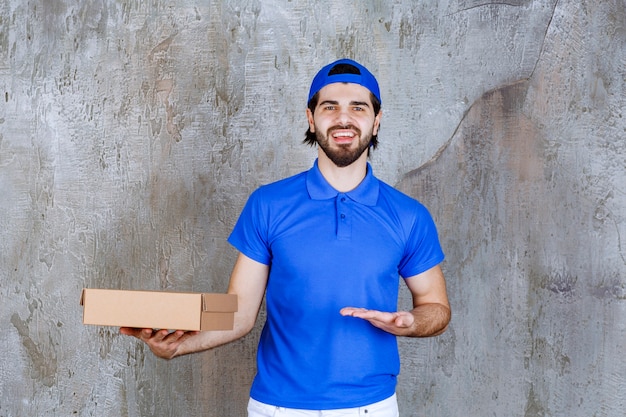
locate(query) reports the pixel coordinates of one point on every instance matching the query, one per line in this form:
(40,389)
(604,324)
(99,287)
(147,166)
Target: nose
(343,117)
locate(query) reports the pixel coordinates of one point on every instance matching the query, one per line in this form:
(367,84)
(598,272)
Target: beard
(342,155)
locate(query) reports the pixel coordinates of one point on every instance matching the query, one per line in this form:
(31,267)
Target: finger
(145,335)
(367,314)
(132,331)
(165,336)
(180,335)
(128,331)
(173,336)
(351,311)
(156,335)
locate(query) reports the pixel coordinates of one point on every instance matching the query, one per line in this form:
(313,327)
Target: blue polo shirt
(328,250)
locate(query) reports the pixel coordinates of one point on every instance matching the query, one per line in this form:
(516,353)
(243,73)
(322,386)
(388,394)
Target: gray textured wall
(132,132)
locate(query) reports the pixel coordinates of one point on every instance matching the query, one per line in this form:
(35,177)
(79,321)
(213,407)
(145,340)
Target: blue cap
(366,79)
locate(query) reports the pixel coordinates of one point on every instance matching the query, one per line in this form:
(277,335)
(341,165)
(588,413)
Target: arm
(248,281)
(430,314)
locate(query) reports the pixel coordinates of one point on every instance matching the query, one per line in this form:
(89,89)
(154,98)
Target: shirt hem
(315,406)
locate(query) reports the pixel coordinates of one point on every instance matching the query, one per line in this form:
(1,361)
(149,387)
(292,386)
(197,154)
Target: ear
(377,122)
(309,117)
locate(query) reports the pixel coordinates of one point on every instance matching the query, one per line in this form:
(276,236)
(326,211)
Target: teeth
(344,134)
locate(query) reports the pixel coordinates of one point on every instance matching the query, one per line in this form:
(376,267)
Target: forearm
(425,320)
(429,320)
(211,339)
(248,281)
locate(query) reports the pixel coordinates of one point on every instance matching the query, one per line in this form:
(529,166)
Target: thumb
(404,319)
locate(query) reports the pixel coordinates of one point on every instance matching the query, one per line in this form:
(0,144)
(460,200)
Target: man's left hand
(395,323)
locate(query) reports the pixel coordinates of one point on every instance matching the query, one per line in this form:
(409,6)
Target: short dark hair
(342,68)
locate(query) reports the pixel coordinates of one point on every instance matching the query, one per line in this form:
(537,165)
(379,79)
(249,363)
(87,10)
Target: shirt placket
(344,217)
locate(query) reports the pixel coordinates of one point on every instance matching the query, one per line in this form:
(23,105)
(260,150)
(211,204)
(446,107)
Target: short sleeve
(249,236)
(423,249)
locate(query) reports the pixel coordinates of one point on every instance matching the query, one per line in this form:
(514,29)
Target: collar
(319,189)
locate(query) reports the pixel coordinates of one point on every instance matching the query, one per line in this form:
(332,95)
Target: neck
(342,179)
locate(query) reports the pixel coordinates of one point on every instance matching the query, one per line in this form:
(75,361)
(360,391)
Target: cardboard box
(158,309)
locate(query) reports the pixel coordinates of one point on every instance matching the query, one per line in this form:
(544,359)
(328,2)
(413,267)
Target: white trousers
(384,408)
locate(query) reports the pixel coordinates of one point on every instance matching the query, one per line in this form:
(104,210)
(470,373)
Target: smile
(343,134)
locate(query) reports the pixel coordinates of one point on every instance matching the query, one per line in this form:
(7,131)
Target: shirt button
(343,216)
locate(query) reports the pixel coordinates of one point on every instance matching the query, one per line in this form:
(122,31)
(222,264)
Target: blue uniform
(328,250)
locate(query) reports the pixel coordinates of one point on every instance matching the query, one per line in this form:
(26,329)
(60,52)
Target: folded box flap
(219,302)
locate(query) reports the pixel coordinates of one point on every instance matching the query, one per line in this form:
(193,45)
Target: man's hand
(430,314)
(425,320)
(161,342)
(397,323)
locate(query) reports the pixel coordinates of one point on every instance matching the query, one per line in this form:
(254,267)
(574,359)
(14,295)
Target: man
(326,247)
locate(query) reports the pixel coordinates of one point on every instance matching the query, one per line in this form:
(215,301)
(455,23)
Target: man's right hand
(162,343)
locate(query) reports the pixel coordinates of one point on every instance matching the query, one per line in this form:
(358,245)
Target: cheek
(318,125)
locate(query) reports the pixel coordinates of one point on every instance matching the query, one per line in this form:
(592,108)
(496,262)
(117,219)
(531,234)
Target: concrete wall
(132,132)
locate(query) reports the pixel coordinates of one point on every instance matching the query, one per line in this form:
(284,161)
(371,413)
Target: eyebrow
(352,103)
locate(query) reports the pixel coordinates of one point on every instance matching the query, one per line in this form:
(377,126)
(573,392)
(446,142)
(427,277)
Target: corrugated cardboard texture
(158,309)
